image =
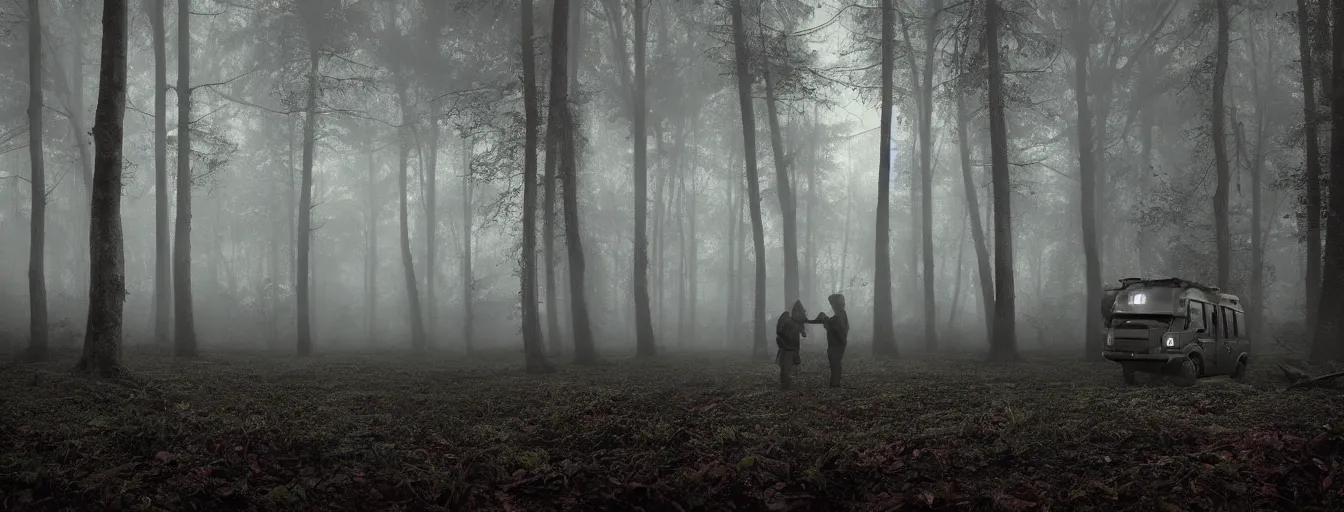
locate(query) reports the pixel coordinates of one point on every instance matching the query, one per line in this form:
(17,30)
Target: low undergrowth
(350,432)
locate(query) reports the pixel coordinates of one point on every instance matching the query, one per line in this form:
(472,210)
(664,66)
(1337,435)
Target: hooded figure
(837,334)
(789,330)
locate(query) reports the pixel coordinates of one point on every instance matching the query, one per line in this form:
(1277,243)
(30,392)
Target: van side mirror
(1199,330)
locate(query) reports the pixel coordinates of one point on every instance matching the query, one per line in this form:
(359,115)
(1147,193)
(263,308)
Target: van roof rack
(1168,281)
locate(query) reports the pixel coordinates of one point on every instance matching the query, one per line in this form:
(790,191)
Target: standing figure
(789,330)
(837,334)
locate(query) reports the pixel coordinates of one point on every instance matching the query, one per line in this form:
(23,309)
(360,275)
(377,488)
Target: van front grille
(1132,345)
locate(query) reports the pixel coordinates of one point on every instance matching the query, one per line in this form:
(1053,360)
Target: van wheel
(1131,377)
(1239,373)
(1189,372)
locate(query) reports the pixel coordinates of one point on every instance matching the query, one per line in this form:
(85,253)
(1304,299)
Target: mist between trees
(331,175)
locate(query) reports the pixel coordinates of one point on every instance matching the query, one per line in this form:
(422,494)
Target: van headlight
(1110,338)
(1169,341)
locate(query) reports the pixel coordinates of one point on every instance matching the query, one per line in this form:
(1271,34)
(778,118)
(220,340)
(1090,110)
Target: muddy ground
(396,432)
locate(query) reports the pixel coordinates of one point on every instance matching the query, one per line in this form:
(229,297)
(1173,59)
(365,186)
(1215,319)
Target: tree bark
(734,212)
(532,339)
(692,256)
(681,212)
(984,271)
(37,280)
(585,350)
(431,161)
(1222,230)
(849,217)
(371,251)
(185,319)
(787,205)
(162,240)
(1255,310)
(926,175)
(469,279)
(645,345)
(415,314)
(1326,345)
(1311,128)
(549,221)
(660,208)
(1148,258)
(1082,47)
(884,334)
(107,264)
(744,81)
(291,207)
(1003,346)
(809,265)
(956,283)
(305,218)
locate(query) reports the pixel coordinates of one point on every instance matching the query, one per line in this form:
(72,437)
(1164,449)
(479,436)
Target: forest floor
(395,432)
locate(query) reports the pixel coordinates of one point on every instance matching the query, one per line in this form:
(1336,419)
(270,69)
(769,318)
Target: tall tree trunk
(730,258)
(741,254)
(744,81)
(291,207)
(983,268)
(1003,346)
(585,351)
(692,256)
(305,207)
(1082,47)
(185,319)
(787,205)
(277,238)
(532,338)
(680,206)
(849,217)
(926,175)
(431,161)
(162,247)
(468,279)
(956,285)
(405,139)
(1327,344)
(1220,194)
(916,229)
(407,260)
(37,280)
(554,333)
(1148,259)
(549,221)
(107,264)
(644,340)
(810,266)
(884,333)
(1255,310)
(371,252)
(660,206)
(1311,126)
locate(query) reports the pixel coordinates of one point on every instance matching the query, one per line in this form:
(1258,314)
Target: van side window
(1194,315)
(1239,319)
(1215,323)
(1229,323)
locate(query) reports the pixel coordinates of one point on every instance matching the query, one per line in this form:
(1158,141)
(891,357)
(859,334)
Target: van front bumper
(1149,361)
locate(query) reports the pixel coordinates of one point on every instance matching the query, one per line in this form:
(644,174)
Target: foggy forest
(671,254)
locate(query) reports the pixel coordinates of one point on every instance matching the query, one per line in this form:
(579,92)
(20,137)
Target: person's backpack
(780,326)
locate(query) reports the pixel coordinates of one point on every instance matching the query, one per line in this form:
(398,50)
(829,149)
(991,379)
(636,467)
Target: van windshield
(1142,321)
